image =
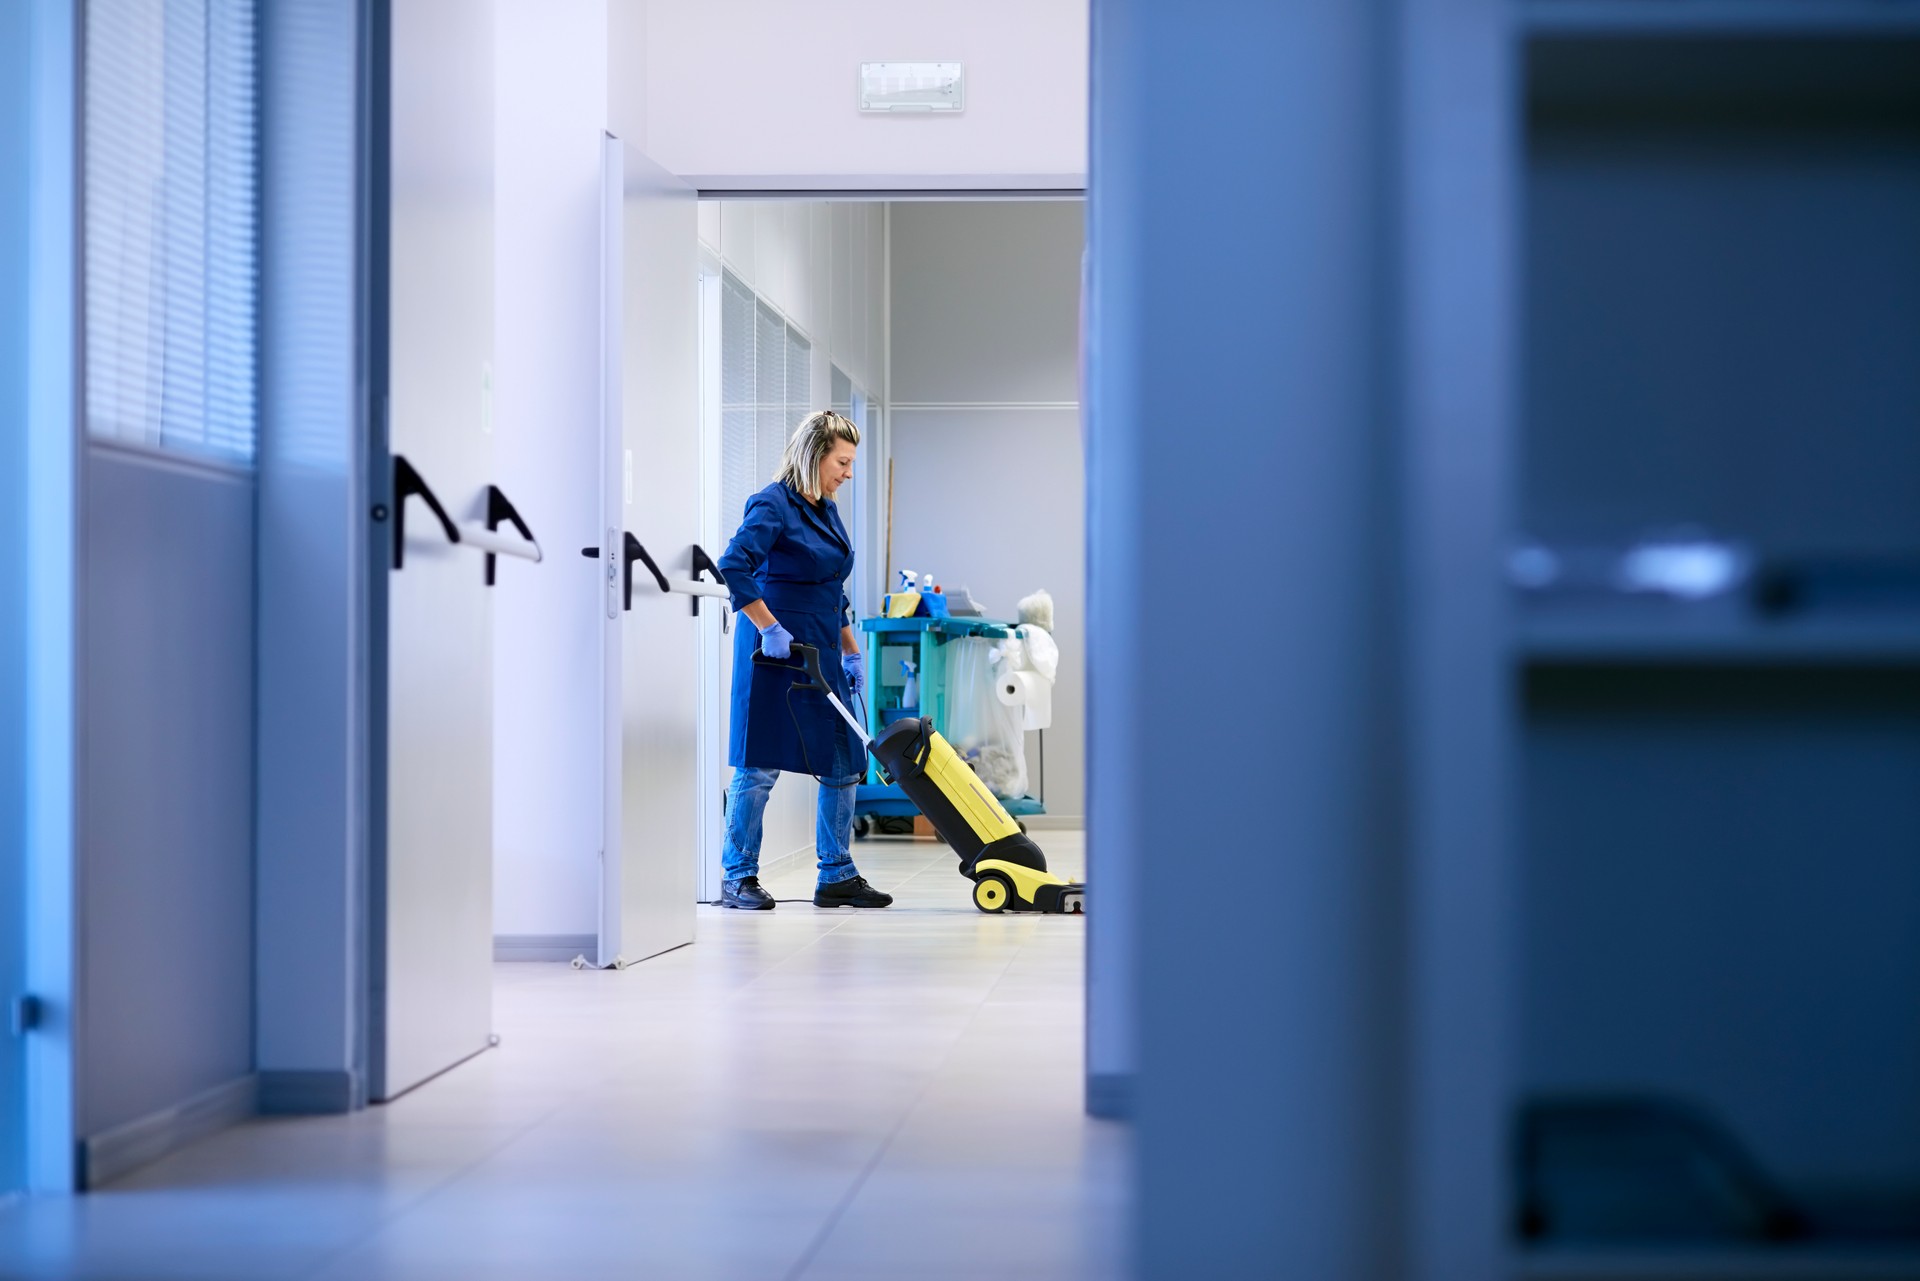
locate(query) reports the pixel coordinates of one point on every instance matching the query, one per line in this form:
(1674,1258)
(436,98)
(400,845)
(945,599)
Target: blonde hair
(809,446)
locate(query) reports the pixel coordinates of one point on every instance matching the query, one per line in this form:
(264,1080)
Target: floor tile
(827,1095)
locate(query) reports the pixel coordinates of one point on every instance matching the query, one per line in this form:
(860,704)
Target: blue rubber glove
(855,666)
(776,641)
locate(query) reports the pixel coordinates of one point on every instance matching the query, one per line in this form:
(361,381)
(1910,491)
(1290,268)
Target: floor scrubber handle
(809,665)
(809,668)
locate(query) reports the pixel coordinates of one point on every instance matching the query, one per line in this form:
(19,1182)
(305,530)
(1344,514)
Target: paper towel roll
(1016,689)
(1030,692)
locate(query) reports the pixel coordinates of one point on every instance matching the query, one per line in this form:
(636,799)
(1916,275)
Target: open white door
(649,527)
(431,938)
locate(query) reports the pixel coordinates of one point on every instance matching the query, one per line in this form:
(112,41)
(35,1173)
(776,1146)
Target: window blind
(799,380)
(765,390)
(171,218)
(770,388)
(740,475)
(852,498)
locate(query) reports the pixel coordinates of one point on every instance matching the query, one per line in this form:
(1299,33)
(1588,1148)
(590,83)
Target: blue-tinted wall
(1298,403)
(14,44)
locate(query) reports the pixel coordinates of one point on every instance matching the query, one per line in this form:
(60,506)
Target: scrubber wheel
(992,893)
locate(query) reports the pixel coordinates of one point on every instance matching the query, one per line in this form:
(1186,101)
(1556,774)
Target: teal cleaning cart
(923,641)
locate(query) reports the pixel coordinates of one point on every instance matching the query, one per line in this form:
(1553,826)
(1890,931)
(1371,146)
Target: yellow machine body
(956,780)
(1008,871)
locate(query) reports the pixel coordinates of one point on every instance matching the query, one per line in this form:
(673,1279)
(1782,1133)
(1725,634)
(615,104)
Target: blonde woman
(786,572)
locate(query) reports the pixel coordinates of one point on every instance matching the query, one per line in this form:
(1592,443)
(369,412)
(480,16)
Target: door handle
(631,550)
(634,551)
(595,554)
(499,508)
(703,564)
(693,586)
(407,483)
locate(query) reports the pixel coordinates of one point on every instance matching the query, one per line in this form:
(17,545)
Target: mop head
(1037,610)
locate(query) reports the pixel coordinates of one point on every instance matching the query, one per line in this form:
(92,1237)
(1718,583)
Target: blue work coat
(796,557)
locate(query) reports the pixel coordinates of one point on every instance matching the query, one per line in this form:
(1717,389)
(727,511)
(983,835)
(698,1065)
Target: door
(432,897)
(651,454)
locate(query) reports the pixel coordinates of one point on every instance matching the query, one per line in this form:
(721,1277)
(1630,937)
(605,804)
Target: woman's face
(837,467)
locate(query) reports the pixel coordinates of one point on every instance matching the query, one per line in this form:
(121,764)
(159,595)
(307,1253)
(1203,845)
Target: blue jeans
(833,826)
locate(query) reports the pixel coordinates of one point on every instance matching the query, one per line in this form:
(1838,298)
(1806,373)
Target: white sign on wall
(911,86)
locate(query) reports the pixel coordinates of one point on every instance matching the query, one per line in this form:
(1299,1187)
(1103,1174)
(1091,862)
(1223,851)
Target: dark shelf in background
(1724,1263)
(1595,638)
(1809,64)
(1717,896)
(1719,17)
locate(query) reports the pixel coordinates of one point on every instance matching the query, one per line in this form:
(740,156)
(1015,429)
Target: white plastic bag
(1042,651)
(988,735)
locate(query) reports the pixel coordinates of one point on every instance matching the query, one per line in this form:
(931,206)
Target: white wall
(986,428)
(822,264)
(625,55)
(552,109)
(762,94)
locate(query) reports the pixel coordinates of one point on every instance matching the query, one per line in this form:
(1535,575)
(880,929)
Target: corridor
(804,1094)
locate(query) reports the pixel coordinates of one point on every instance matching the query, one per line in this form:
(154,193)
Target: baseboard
(308,1093)
(802,857)
(544,947)
(112,1153)
(1110,1095)
(1055,822)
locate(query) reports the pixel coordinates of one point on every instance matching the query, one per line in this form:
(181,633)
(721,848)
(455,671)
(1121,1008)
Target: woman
(786,571)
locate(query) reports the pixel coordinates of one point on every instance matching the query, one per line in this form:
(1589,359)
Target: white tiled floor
(800,1095)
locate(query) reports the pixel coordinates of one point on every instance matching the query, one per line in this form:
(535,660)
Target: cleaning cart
(893,696)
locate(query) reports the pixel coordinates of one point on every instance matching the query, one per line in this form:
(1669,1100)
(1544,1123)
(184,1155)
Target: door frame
(714,627)
(50,627)
(867,503)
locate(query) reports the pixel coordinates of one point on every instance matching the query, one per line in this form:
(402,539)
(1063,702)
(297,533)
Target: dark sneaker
(852,892)
(746,893)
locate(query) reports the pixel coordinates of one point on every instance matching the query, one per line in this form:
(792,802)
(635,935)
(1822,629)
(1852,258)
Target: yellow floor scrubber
(1008,871)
